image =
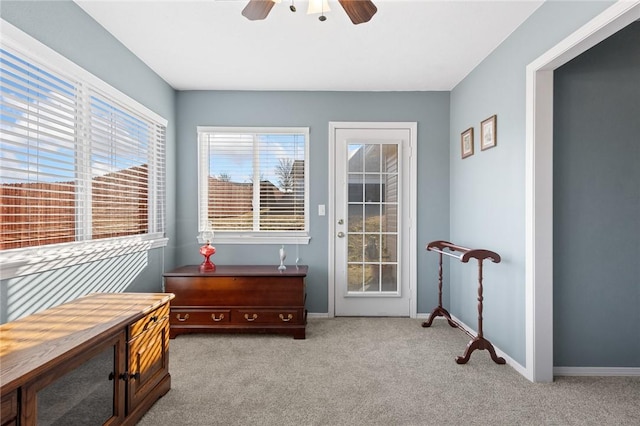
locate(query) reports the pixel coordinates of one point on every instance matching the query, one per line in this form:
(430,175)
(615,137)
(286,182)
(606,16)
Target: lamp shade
(205,236)
(318,6)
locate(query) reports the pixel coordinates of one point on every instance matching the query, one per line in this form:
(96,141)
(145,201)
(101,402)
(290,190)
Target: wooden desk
(242,298)
(131,328)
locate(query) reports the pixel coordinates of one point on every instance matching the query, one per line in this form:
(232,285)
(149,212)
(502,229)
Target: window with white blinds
(78,163)
(253,183)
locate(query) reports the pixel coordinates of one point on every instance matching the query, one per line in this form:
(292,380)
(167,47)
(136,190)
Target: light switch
(321,211)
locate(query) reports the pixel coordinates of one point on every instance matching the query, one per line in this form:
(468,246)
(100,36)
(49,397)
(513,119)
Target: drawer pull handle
(287,319)
(213,317)
(182,319)
(253,317)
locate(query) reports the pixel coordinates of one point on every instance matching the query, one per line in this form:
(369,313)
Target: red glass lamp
(207,251)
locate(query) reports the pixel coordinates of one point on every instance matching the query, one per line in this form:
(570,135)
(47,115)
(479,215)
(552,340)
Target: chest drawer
(266,316)
(186,317)
(148,321)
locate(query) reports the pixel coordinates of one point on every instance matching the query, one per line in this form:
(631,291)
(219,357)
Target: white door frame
(412,192)
(539,181)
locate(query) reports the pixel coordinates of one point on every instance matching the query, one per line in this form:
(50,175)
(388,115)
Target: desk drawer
(186,317)
(148,321)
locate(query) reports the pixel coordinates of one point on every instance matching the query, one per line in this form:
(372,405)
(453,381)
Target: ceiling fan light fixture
(318,6)
(359,11)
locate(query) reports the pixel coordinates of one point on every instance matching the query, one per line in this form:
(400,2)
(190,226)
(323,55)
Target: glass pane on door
(372,236)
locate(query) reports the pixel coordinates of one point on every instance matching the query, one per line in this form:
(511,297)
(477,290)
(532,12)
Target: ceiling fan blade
(257,9)
(359,11)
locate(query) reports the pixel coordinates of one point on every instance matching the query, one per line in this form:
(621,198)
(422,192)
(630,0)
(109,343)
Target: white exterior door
(372,219)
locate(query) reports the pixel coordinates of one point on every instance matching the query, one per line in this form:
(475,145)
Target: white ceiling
(414,45)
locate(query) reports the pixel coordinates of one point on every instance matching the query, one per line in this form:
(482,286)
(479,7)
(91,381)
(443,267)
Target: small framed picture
(466,143)
(489,132)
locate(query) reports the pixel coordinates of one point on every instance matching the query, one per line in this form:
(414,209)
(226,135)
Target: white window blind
(253,181)
(126,154)
(77,164)
(38,175)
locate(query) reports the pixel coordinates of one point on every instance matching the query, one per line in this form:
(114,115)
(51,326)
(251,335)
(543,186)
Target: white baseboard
(597,371)
(563,371)
(317,315)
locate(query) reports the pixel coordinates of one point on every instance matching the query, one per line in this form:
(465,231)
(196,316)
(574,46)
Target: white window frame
(25,261)
(248,237)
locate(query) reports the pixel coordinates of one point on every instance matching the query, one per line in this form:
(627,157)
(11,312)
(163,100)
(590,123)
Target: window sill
(249,238)
(19,262)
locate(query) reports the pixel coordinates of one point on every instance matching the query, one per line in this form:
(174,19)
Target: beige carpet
(372,371)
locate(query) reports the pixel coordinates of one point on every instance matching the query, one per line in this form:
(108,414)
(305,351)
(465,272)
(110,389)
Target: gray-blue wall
(488,188)
(316,110)
(67,29)
(477,202)
(596,201)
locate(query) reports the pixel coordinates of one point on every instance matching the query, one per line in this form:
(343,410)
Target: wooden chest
(238,298)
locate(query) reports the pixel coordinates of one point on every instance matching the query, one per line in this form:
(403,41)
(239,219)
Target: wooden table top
(34,343)
(240,271)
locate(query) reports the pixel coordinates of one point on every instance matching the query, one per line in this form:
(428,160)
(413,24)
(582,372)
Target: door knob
(340,234)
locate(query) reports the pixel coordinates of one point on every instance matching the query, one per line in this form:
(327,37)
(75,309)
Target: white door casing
(539,181)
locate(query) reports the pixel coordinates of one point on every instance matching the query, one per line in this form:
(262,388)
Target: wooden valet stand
(478,341)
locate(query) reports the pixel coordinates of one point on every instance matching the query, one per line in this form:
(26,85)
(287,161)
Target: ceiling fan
(359,11)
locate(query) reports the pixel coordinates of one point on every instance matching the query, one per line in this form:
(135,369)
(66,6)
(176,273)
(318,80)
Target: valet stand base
(476,342)
(439,311)
(479,343)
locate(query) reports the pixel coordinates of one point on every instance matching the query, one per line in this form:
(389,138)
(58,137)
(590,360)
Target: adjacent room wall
(596,203)
(67,29)
(316,110)
(488,188)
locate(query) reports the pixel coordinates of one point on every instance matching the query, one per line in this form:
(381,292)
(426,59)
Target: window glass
(253,181)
